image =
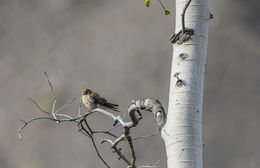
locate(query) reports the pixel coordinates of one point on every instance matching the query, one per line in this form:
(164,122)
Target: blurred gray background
(120,49)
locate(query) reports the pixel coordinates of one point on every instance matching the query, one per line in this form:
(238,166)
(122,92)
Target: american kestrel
(93,100)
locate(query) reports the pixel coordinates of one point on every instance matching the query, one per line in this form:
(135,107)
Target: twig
(34,119)
(79,111)
(37,105)
(95,146)
(52,90)
(65,115)
(105,132)
(108,131)
(118,151)
(44,118)
(162,5)
(91,132)
(20,129)
(112,128)
(183,15)
(65,105)
(53,96)
(146,136)
(53,109)
(184,34)
(93,142)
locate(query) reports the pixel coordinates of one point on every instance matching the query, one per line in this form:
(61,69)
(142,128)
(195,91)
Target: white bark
(183,130)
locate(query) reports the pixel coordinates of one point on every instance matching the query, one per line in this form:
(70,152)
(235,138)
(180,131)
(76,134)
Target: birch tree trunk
(182,132)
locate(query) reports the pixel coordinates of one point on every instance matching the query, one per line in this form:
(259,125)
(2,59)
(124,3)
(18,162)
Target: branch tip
(52,90)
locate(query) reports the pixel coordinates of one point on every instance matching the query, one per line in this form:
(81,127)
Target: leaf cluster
(167,12)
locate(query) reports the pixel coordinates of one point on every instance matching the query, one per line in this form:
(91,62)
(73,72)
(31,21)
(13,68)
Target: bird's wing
(97,99)
(92,100)
(95,95)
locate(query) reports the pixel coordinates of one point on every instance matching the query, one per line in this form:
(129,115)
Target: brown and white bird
(93,100)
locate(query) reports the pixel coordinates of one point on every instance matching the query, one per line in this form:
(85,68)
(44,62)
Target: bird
(93,100)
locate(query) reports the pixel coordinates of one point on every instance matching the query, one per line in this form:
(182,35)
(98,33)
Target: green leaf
(147,3)
(167,12)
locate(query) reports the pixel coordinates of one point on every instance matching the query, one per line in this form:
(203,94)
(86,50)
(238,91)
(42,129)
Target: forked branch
(134,111)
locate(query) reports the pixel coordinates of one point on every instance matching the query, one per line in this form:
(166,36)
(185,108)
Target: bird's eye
(88,91)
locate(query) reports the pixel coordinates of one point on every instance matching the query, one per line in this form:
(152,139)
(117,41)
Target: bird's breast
(86,101)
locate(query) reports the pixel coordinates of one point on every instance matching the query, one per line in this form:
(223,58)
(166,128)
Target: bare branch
(183,15)
(53,93)
(65,115)
(20,129)
(95,146)
(53,96)
(146,136)
(105,132)
(150,105)
(37,105)
(31,120)
(162,5)
(53,109)
(112,128)
(154,106)
(65,105)
(111,115)
(89,134)
(69,119)
(79,111)
(133,111)
(129,139)
(118,151)
(185,33)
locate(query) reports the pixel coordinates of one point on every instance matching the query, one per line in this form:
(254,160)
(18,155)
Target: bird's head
(87,91)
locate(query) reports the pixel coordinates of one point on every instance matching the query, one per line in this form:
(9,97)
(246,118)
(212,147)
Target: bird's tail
(111,106)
